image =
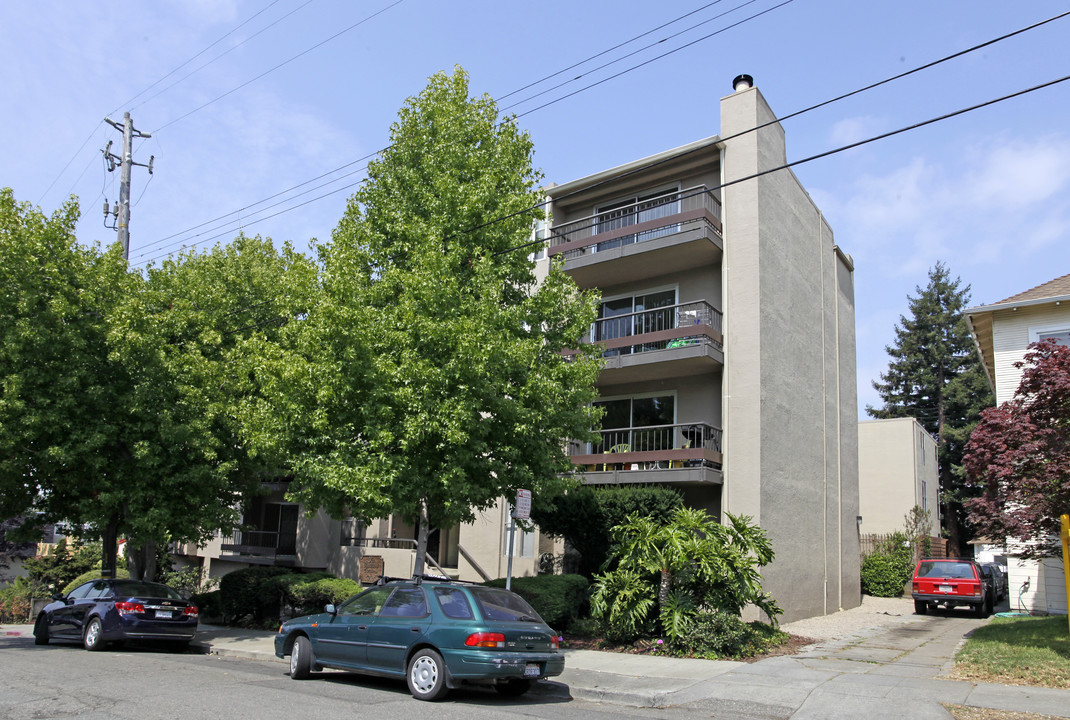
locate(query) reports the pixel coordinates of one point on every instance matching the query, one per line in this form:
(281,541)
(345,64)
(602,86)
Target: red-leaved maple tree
(1019,455)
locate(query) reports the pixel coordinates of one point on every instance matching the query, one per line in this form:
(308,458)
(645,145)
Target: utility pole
(125,162)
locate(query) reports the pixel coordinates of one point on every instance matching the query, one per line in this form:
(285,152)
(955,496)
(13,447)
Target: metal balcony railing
(262,543)
(656,217)
(648,438)
(652,323)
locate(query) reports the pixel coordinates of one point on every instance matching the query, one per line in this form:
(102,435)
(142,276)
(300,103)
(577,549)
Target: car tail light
(917,586)
(555,642)
(485,639)
(126,607)
(191,610)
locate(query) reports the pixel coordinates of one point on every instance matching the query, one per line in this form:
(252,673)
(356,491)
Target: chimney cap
(742,82)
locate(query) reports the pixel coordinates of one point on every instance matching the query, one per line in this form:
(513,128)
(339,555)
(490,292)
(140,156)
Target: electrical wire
(606,51)
(76,152)
(202,52)
(222,54)
(797,113)
(636,52)
(282,64)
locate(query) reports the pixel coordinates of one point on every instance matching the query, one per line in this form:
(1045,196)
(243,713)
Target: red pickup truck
(951,582)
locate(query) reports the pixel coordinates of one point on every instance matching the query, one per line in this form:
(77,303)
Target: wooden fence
(936,546)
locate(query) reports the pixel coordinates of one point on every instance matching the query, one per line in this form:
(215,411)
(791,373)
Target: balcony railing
(670,327)
(650,447)
(262,543)
(674,212)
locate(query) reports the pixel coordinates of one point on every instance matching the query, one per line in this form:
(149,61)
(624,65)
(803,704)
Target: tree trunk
(663,588)
(421,541)
(141,560)
(109,548)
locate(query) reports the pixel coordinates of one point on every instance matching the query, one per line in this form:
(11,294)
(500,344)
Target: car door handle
(415,629)
(362,627)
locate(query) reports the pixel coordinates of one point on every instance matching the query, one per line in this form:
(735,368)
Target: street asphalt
(897,671)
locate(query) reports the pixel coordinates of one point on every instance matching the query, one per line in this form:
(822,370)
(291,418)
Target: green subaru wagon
(436,634)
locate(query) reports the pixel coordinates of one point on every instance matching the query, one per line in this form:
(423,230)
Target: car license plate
(945,588)
(163,614)
(532,670)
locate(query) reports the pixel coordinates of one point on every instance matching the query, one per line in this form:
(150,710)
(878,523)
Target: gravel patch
(874,612)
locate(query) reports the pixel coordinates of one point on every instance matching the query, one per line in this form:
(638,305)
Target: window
(408,602)
(1059,333)
(454,603)
(367,603)
(635,315)
(625,418)
(634,209)
(80,592)
(352,531)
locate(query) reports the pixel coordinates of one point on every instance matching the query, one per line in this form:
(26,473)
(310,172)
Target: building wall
(896,470)
(790,418)
(1012,331)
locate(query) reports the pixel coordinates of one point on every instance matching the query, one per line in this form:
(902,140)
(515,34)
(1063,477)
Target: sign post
(521,511)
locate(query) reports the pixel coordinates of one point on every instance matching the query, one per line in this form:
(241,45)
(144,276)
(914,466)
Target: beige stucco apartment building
(727,318)
(897,471)
(1003,331)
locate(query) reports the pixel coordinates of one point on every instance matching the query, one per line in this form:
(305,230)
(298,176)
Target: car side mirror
(330,609)
(58,596)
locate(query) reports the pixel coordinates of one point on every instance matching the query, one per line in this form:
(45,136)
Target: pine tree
(936,377)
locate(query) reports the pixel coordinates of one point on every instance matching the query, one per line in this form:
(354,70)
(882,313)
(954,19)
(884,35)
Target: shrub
(209,603)
(15,600)
(886,571)
(92,575)
(559,599)
(717,635)
(248,597)
(310,597)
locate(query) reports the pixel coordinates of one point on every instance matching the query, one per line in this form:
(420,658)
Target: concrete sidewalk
(893,672)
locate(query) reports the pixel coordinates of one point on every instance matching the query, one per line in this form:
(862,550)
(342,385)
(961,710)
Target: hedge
(247,595)
(120,573)
(559,599)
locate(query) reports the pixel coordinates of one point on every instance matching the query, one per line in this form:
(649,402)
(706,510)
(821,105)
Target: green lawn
(1018,651)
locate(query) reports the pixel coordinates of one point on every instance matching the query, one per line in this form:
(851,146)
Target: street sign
(523,504)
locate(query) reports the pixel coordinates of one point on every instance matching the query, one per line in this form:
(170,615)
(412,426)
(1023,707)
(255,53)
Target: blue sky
(985,192)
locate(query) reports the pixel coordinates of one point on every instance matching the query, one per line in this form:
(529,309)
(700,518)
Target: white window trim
(1036,332)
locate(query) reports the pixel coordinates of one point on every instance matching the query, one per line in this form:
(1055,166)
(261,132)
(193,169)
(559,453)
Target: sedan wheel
(93,639)
(300,658)
(427,675)
(40,631)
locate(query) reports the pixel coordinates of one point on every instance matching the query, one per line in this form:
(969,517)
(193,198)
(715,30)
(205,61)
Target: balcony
(267,546)
(677,231)
(675,340)
(679,453)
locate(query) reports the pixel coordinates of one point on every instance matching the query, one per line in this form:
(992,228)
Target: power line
(202,52)
(645,167)
(607,51)
(636,52)
(76,152)
(282,64)
(388,147)
(217,57)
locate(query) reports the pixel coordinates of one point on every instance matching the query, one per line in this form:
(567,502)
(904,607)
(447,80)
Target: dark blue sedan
(102,611)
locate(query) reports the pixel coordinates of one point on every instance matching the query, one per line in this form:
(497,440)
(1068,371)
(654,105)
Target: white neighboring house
(1003,331)
(897,470)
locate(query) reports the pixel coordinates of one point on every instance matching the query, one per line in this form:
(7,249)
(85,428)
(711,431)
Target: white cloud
(854,129)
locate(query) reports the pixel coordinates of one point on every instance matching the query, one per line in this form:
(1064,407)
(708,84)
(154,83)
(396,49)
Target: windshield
(499,604)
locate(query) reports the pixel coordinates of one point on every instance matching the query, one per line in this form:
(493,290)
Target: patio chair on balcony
(621,448)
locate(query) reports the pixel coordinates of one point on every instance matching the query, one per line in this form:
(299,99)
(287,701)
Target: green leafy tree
(1018,457)
(429,380)
(936,377)
(119,392)
(670,570)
